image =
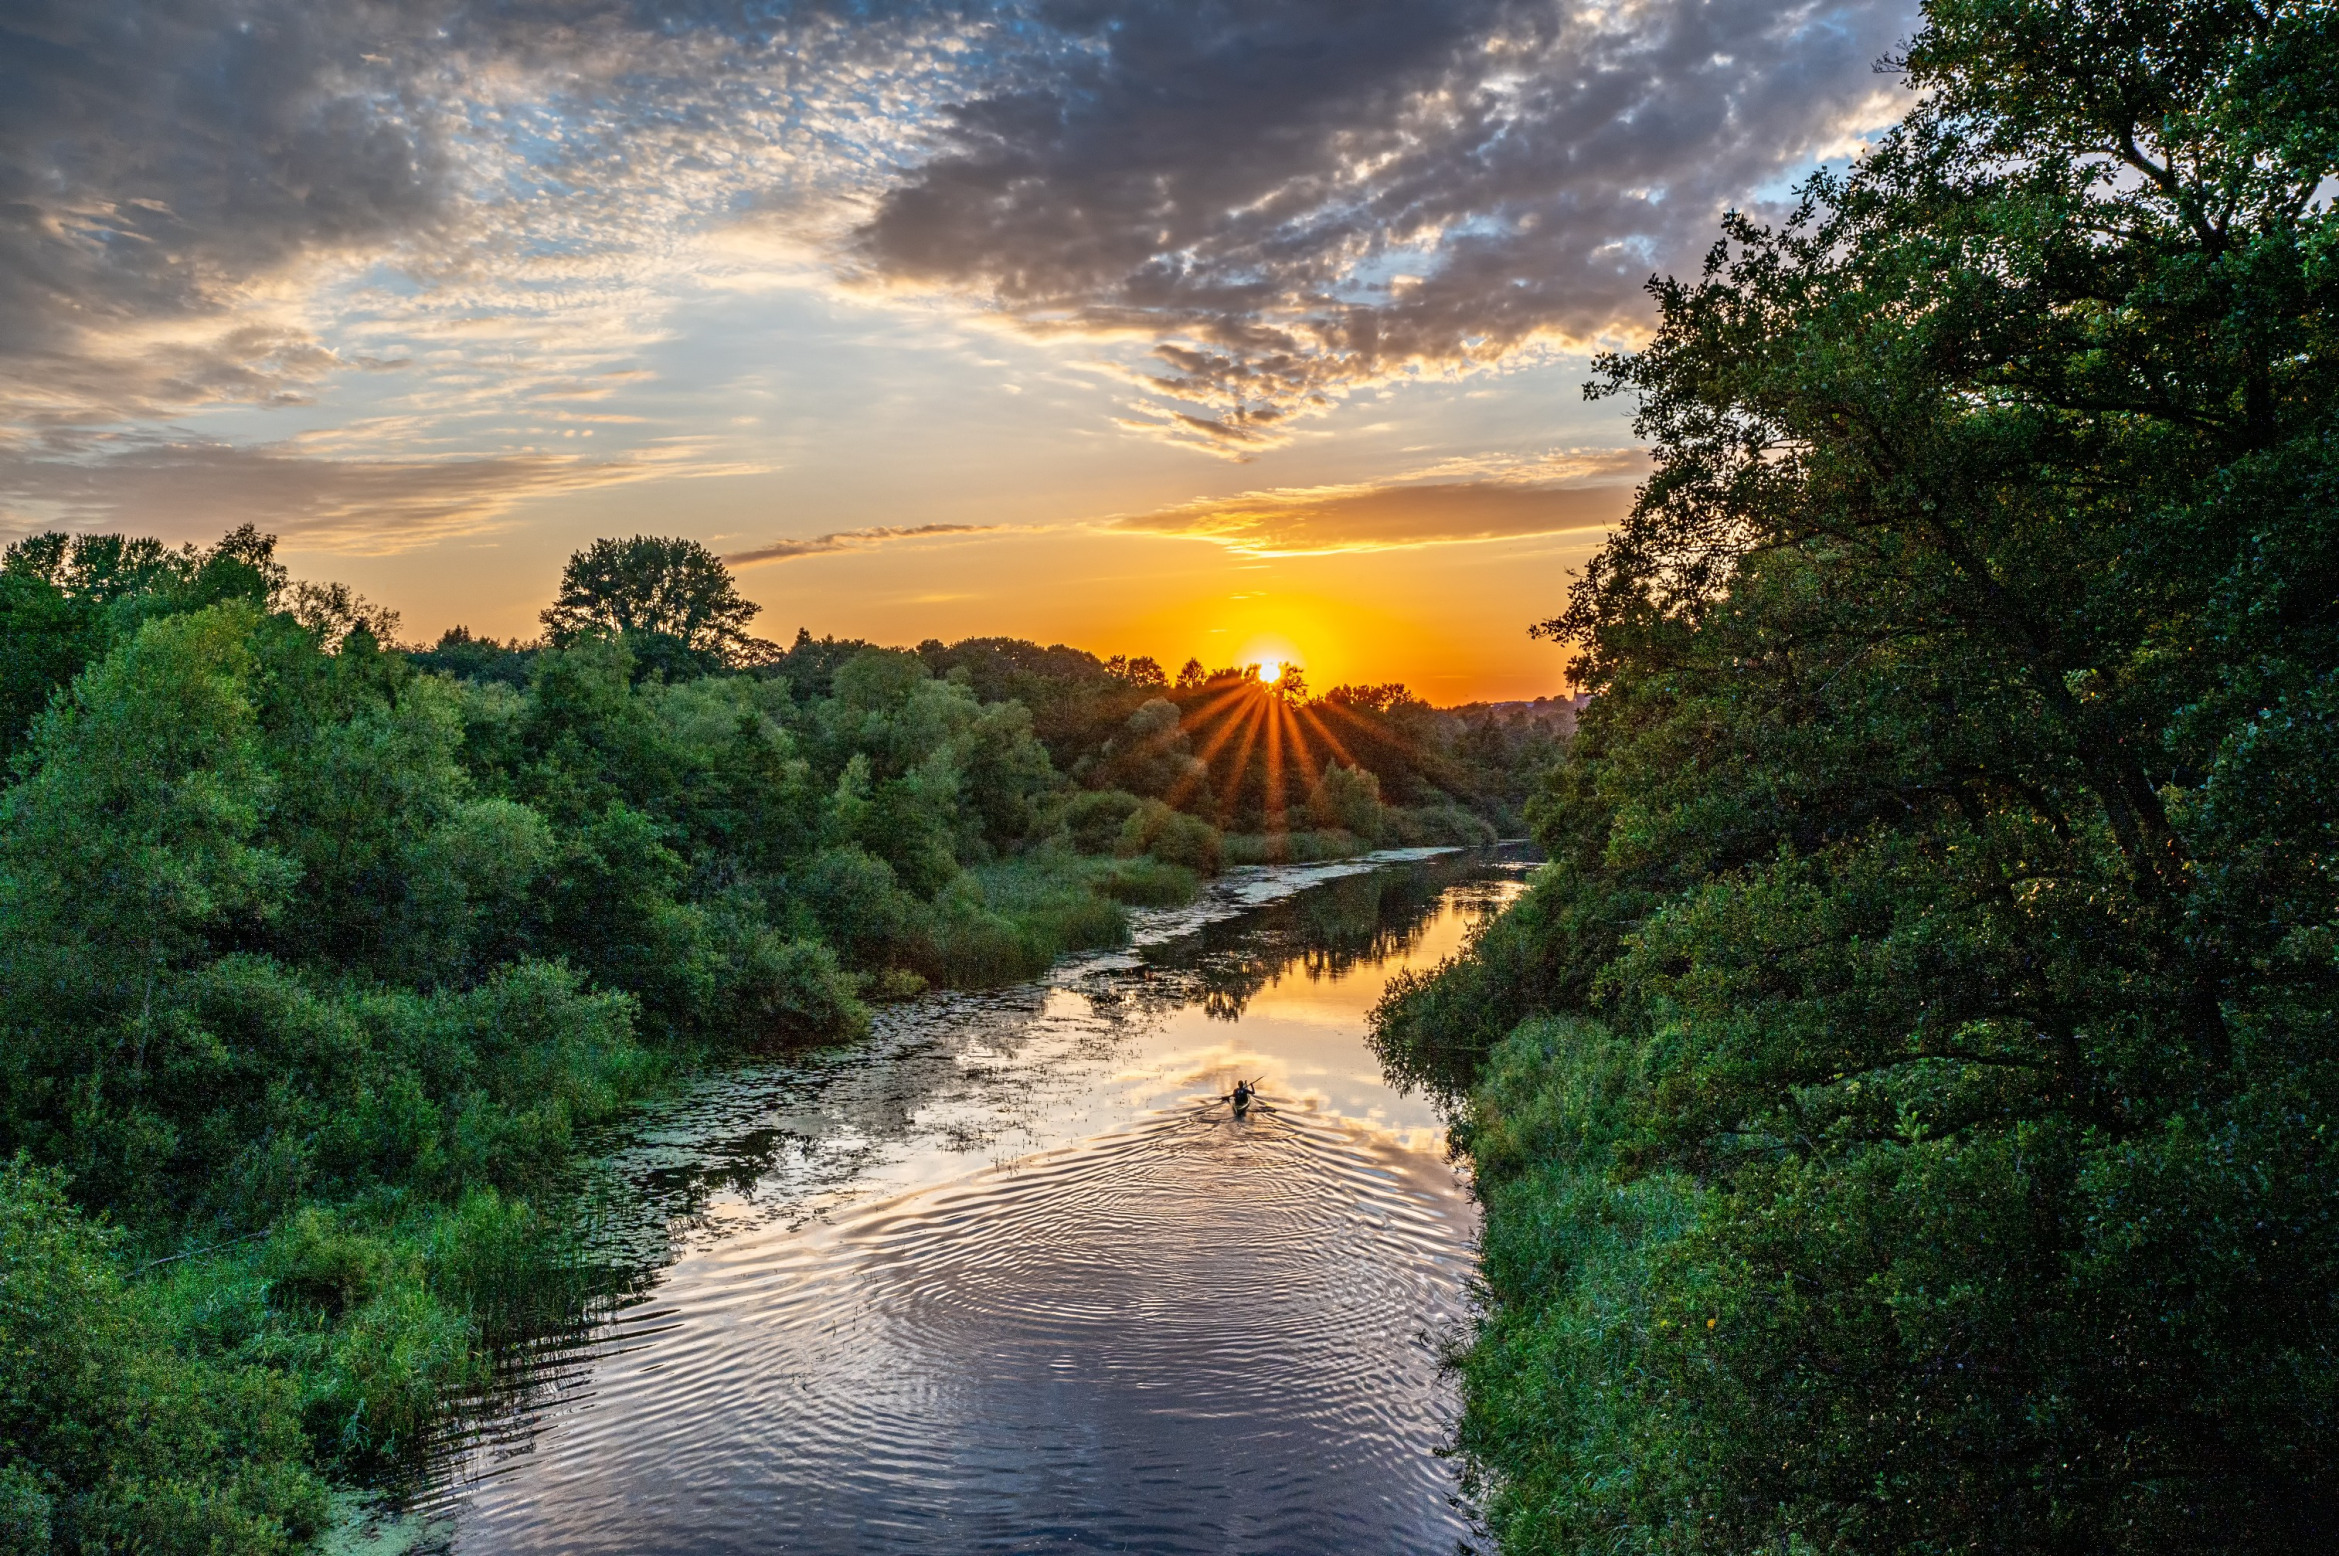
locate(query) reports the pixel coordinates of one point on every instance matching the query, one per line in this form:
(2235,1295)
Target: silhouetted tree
(670,599)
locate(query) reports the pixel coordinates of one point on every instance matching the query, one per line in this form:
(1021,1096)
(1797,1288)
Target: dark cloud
(1285,198)
(180,179)
(852,540)
(191,491)
(1377,518)
(156,158)
(1299,195)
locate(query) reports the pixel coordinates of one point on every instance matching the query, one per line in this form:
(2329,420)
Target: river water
(1007,1278)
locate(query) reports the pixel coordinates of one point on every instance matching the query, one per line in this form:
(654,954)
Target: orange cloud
(1306,520)
(852,540)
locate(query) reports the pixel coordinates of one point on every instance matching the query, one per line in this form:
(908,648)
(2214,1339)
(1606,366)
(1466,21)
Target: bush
(854,902)
(1348,799)
(1568,1383)
(1095,818)
(110,1437)
(1441,825)
(1006,922)
(777,990)
(1171,836)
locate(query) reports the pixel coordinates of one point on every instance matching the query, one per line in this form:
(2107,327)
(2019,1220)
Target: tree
(65,600)
(1946,852)
(1348,798)
(670,599)
(133,835)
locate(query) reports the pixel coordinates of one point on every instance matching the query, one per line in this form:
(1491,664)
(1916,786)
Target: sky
(1243,331)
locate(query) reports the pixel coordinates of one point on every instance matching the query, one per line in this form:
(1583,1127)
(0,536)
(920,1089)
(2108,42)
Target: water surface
(1007,1277)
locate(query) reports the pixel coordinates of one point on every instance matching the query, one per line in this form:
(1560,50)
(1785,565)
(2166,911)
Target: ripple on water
(1194,1334)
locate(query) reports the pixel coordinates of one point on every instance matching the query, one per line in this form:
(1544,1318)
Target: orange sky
(1449,617)
(1094,324)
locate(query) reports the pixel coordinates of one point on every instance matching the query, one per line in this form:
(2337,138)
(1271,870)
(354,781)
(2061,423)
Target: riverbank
(1017,1107)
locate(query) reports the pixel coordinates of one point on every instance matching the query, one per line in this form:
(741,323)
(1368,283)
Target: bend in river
(1006,1276)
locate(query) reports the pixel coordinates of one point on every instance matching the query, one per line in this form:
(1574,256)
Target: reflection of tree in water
(1325,933)
(786,1131)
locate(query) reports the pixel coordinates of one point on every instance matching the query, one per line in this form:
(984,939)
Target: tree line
(1905,1105)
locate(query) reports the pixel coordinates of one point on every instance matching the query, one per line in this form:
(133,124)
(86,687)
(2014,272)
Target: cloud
(1300,521)
(216,201)
(853,540)
(240,202)
(1296,197)
(187,491)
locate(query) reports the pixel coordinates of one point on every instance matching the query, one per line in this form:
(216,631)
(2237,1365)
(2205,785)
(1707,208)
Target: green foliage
(459,655)
(1006,922)
(671,601)
(112,1438)
(1094,818)
(1290,847)
(1145,881)
(65,601)
(1171,836)
(1573,1423)
(1947,853)
(1348,799)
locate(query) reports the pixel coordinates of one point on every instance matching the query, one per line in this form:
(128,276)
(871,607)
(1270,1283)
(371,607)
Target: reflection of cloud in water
(1001,1271)
(1193,1332)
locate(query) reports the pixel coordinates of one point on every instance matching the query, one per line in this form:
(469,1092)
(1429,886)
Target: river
(1005,1277)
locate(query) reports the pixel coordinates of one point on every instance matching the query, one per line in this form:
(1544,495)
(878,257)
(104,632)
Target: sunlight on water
(1008,1278)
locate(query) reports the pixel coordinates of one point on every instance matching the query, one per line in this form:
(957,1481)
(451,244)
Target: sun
(1271,671)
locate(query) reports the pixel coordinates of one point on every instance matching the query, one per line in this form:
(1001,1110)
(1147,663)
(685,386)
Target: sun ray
(1299,745)
(1324,729)
(1227,729)
(1242,762)
(1234,722)
(1277,815)
(1232,694)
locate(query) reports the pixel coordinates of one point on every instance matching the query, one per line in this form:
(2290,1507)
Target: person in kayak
(1244,1093)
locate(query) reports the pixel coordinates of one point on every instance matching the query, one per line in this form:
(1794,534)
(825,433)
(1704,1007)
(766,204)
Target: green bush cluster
(320,959)
(1903,1106)
(112,1435)
(315,966)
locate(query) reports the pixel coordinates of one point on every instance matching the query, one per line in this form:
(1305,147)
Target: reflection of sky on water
(1011,1281)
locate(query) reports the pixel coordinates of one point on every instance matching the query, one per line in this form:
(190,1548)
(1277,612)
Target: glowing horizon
(939,321)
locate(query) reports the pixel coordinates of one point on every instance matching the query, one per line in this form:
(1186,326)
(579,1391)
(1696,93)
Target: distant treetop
(652,587)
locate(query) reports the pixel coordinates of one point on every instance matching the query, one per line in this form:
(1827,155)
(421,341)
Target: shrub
(778,990)
(853,901)
(1348,799)
(110,1437)
(1095,818)
(1171,836)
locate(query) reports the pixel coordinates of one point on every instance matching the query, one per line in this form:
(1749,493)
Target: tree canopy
(1903,1105)
(668,597)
